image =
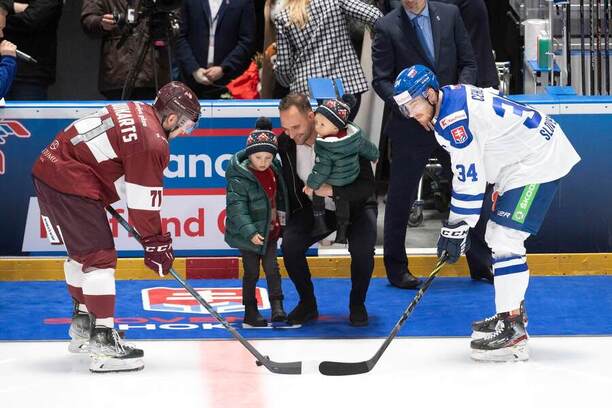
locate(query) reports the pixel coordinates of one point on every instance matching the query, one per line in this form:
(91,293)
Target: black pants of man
(250,263)
(361,241)
(407,166)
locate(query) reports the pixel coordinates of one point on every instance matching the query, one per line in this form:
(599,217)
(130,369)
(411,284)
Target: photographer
(115,63)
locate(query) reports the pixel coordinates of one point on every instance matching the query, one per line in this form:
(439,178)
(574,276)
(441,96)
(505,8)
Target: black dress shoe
(303,312)
(358,316)
(252,317)
(407,281)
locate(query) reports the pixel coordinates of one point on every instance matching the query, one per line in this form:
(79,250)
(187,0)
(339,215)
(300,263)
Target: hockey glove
(453,240)
(158,253)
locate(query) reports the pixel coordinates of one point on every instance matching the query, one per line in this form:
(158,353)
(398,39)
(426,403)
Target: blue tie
(419,31)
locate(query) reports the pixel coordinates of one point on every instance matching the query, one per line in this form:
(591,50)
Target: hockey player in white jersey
(524,153)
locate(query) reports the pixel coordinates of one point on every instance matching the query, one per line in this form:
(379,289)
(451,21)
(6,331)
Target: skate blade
(78,346)
(519,352)
(115,365)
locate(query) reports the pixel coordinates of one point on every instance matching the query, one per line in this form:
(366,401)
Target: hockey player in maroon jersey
(118,152)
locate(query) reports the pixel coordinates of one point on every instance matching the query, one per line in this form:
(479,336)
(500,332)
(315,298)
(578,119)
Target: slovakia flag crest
(459,135)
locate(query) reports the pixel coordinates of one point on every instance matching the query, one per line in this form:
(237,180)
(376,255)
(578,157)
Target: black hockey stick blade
(337,368)
(294,367)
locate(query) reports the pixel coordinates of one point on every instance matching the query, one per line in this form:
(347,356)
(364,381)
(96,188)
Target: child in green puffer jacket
(256,197)
(338,147)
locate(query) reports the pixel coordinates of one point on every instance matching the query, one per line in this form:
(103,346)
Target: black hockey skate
(507,343)
(79,331)
(110,354)
(482,328)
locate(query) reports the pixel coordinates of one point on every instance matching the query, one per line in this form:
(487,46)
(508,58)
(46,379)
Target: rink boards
(194,205)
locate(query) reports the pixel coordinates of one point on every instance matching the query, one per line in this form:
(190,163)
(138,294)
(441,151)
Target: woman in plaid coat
(313,42)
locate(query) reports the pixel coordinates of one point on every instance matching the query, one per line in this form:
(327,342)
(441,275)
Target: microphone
(25,57)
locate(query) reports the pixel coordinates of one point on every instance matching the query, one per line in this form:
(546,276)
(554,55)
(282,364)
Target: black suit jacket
(396,47)
(234,38)
(476,20)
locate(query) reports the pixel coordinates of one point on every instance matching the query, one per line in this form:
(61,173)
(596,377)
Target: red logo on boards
(10,128)
(223,300)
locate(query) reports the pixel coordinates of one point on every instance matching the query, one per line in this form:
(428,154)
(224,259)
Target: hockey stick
(598,34)
(582,59)
(607,39)
(591,47)
(568,42)
(278,368)
(361,367)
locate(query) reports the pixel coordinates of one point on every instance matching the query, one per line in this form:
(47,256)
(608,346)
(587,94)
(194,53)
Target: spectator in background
(313,41)
(430,34)
(215,44)
(34,31)
(270,88)
(115,63)
(8,64)
(476,21)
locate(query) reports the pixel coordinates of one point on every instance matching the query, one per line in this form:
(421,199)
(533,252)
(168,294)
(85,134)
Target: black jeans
(250,262)
(361,238)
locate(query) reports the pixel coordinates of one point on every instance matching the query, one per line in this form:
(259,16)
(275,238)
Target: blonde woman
(313,41)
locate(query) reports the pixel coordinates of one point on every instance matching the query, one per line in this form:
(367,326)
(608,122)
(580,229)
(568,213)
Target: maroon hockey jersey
(118,152)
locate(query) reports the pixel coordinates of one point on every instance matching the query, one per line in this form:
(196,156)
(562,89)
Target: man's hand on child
(307,190)
(257,239)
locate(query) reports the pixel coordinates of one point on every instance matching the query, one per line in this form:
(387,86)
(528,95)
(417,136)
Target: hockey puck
(259,363)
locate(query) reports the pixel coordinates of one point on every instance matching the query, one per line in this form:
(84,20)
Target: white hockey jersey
(494,140)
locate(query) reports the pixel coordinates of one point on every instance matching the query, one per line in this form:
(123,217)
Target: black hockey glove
(454,240)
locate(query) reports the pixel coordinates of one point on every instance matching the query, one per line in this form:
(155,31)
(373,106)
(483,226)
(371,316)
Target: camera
(142,9)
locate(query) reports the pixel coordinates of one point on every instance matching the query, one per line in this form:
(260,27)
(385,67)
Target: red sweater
(267,180)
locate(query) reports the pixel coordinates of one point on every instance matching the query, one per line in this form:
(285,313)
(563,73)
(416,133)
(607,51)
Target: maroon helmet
(176,97)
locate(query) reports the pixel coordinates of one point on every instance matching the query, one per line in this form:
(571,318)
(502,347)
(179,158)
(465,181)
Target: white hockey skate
(109,353)
(79,330)
(507,343)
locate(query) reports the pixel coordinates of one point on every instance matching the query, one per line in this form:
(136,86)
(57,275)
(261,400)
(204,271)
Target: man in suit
(430,34)
(215,44)
(476,20)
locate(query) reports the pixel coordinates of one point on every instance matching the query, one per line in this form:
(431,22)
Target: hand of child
(257,239)
(325,190)
(307,190)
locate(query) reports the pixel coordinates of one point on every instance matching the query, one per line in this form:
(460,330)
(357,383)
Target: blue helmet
(413,82)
